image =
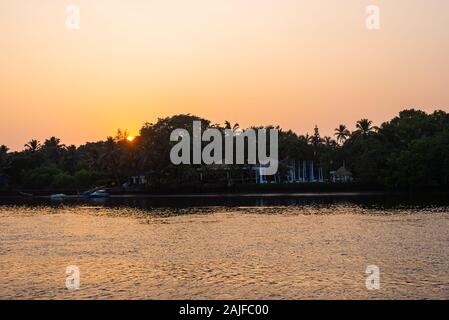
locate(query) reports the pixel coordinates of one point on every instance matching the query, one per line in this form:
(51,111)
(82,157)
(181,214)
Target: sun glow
(130,138)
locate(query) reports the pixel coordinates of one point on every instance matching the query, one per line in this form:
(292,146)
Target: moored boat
(25,194)
(99,194)
(58,196)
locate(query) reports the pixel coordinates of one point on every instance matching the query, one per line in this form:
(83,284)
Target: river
(294,247)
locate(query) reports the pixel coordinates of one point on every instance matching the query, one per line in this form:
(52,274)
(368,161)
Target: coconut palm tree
(229,126)
(52,149)
(32,145)
(365,127)
(53,143)
(342,133)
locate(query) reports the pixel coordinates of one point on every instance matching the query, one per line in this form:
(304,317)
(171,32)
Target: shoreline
(238,195)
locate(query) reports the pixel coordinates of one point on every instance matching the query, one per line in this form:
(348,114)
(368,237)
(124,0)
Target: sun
(130,138)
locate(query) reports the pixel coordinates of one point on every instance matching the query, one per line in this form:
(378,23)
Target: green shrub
(41,177)
(83,178)
(63,180)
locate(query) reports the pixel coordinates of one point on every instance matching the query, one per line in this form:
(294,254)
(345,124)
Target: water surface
(225,248)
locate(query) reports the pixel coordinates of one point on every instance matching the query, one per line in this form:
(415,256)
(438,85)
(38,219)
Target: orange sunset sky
(295,63)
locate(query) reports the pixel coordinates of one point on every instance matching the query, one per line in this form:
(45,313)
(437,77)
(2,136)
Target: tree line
(409,151)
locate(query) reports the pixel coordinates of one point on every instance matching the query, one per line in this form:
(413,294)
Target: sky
(293,63)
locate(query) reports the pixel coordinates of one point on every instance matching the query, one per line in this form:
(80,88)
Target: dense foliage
(411,150)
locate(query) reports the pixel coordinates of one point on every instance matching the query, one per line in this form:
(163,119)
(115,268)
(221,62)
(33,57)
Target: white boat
(58,196)
(99,194)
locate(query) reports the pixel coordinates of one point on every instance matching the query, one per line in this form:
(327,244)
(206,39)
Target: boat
(95,192)
(24,194)
(58,196)
(99,194)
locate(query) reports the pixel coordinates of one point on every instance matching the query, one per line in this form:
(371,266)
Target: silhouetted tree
(409,151)
(342,133)
(365,127)
(32,146)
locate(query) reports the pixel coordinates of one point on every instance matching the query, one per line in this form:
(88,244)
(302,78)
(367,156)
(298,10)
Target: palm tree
(342,133)
(52,148)
(32,145)
(365,127)
(53,143)
(229,126)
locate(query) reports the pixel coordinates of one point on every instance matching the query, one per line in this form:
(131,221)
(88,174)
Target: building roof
(342,172)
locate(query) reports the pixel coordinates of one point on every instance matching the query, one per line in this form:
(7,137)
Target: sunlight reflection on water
(276,251)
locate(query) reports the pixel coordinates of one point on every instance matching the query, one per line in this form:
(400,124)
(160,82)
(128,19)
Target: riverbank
(215,190)
(237,199)
(213,195)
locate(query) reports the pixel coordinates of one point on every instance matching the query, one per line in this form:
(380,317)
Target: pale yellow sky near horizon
(288,62)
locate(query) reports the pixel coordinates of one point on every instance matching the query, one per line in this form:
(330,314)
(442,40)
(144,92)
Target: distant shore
(261,193)
(210,189)
(217,195)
